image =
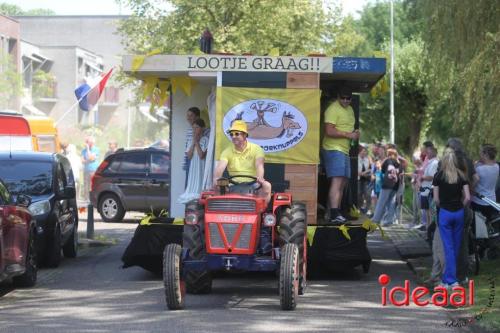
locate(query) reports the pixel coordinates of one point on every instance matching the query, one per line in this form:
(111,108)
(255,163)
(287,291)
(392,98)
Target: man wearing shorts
(339,131)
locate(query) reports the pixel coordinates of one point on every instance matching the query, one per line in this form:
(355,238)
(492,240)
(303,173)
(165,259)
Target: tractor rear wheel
(292,229)
(175,289)
(289,276)
(197,282)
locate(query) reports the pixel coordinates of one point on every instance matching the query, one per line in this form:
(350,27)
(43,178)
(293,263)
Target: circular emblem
(274,125)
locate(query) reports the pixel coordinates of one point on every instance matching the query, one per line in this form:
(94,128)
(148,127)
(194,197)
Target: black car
(132,180)
(48,179)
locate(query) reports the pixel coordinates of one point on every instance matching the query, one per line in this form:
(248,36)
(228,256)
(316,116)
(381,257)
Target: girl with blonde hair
(451,195)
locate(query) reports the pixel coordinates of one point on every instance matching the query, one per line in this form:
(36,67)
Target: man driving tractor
(243,158)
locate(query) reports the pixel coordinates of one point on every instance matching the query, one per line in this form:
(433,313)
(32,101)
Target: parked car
(132,180)
(17,239)
(48,179)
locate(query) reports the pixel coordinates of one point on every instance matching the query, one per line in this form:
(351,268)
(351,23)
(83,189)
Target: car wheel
(70,249)
(111,208)
(53,249)
(28,278)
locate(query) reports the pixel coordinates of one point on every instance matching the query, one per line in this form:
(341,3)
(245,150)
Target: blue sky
(109,7)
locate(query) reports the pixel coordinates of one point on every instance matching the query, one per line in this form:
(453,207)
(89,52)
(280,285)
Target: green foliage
(295,27)
(14,10)
(465,69)
(10,83)
(410,75)
(375,22)
(43,84)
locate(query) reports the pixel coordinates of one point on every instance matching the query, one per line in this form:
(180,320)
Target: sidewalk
(412,247)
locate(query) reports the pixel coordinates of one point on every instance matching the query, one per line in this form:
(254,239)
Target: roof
(361,74)
(27,156)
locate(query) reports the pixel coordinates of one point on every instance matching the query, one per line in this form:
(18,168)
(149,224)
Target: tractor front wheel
(197,282)
(175,289)
(292,229)
(289,276)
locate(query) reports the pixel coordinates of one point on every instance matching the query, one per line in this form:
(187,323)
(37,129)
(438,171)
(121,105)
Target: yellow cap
(239,125)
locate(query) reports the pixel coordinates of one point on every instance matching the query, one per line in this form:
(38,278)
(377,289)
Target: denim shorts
(337,164)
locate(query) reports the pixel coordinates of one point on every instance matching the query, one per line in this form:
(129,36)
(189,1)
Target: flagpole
(78,101)
(71,108)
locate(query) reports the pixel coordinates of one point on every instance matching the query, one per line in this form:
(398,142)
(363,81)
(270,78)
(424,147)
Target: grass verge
(487,300)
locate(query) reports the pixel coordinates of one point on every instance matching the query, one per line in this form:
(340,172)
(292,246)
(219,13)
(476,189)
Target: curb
(86,242)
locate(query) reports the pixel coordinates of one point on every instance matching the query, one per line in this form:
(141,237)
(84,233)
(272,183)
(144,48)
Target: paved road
(93,294)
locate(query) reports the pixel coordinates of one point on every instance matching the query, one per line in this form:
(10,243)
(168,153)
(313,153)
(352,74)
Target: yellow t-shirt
(343,119)
(242,162)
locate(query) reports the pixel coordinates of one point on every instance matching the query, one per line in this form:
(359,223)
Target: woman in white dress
(196,154)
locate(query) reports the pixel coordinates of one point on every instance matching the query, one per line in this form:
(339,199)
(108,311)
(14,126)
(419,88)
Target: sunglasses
(233,134)
(345,98)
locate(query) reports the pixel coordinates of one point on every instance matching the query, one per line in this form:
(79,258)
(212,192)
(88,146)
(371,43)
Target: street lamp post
(391,119)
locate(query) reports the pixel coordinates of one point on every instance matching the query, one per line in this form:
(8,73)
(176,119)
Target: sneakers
(420,227)
(338,220)
(431,283)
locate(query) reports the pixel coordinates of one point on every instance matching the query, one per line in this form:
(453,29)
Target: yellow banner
(284,122)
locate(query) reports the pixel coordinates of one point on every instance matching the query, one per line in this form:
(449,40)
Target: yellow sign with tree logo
(284,122)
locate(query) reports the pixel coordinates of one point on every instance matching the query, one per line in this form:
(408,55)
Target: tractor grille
(230,230)
(231,205)
(215,237)
(244,241)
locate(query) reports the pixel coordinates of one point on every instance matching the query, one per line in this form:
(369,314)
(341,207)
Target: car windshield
(27,177)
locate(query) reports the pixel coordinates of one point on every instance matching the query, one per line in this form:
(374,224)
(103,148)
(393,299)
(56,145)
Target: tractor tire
(175,290)
(193,239)
(28,278)
(293,229)
(289,276)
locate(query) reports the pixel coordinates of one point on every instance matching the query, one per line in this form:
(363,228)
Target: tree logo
(274,125)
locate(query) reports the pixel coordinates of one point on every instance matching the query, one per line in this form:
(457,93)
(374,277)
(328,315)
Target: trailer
(282,100)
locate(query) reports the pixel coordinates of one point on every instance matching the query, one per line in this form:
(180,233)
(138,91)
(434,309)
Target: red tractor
(233,229)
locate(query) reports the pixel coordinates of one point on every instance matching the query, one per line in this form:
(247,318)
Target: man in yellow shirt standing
(243,158)
(339,131)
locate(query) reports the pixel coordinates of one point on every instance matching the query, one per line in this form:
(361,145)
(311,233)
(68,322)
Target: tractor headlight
(39,208)
(269,220)
(191,218)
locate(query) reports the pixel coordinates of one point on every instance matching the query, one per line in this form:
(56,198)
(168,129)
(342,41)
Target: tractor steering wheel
(253,181)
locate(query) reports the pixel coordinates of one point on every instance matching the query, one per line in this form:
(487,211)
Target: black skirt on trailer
(146,247)
(332,251)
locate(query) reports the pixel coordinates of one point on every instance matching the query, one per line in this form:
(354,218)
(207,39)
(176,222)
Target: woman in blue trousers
(451,194)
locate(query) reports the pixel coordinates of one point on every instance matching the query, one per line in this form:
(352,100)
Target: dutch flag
(88,96)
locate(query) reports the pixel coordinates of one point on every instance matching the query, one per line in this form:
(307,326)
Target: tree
(14,10)
(295,27)
(465,68)
(410,74)
(374,23)
(10,83)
